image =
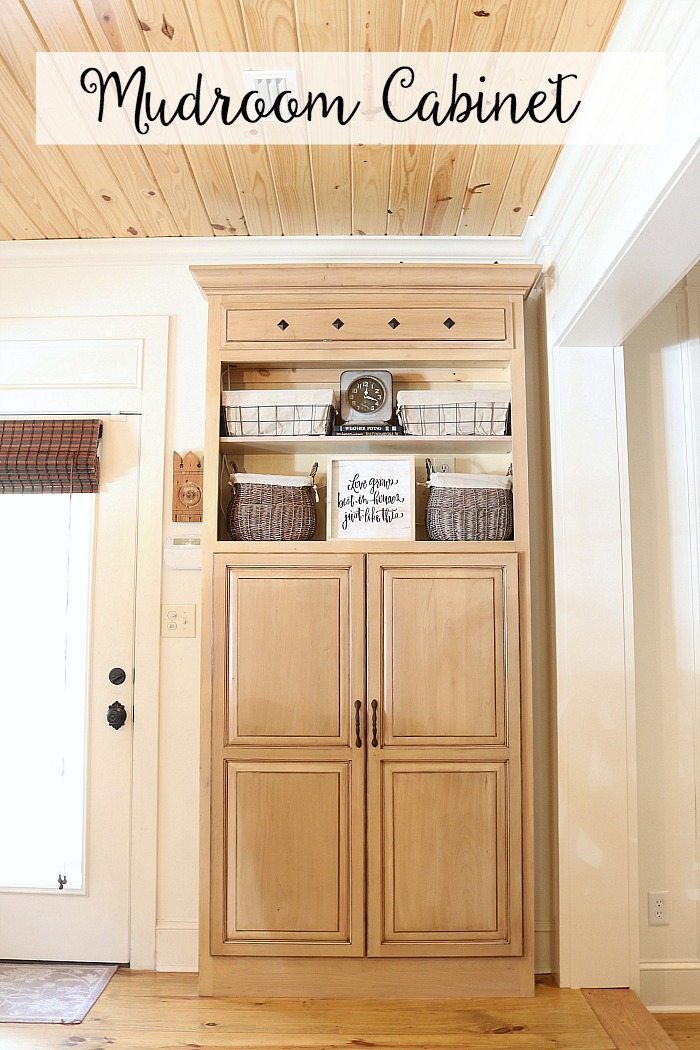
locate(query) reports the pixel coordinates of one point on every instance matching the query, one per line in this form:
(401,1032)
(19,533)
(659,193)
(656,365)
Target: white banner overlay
(330,98)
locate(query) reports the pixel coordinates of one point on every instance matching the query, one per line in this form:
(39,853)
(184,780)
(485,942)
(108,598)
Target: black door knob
(116,715)
(117,676)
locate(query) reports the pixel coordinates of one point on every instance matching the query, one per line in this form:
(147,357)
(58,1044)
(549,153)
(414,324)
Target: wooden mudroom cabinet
(366,729)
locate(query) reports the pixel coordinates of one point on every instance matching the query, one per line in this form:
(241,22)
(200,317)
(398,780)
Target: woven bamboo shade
(56,455)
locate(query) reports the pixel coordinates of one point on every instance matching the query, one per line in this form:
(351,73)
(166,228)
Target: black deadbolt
(117,676)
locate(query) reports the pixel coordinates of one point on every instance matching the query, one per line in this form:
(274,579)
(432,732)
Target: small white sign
(371,498)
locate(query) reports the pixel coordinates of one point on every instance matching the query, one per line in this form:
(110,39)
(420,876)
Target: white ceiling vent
(269,83)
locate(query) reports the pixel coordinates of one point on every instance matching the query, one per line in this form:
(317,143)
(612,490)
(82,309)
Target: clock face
(366,394)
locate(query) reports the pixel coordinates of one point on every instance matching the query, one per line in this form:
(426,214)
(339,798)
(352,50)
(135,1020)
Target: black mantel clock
(366,397)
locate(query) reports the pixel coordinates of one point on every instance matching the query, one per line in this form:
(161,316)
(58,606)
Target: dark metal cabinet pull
(375,741)
(358,737)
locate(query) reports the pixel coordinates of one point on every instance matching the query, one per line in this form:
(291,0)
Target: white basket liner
(289,480)
(317,396)
(464,394)
(251,413)
(463,410)
(469,481)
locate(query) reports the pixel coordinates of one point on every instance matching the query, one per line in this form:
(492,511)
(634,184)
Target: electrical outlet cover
(657,908)
(443,464)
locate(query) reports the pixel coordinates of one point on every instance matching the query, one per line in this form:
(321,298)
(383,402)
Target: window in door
(46,556)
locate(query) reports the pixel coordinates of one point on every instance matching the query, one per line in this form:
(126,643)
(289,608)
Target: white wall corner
(595,755)
(543,947)
(177,947)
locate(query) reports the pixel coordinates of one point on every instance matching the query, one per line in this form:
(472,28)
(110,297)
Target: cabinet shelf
(321,546)
(367,443)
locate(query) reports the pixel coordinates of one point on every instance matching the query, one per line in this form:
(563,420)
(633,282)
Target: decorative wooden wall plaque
(187,487)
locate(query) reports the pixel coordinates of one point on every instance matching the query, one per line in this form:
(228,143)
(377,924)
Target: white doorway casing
(124,362)
(662,376)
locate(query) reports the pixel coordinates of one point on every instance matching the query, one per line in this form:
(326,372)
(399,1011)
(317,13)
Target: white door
(67,586)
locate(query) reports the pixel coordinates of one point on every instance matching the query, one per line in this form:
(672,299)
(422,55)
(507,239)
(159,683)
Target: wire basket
(278,413)
(426,413)
(469,506)
(272,507)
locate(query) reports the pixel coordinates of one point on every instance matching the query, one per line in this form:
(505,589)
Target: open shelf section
(366,443)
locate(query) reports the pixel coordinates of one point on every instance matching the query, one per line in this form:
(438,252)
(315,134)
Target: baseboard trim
(177,947)
(543,948)
(275,977)
(670,987)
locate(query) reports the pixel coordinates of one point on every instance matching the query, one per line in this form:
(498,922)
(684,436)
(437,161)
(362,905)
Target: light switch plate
(178,621)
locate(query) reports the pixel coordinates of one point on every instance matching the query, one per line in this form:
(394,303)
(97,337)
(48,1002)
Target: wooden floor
(147,1011)
(684,1029)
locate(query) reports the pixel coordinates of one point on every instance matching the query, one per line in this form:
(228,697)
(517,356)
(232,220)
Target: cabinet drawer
(486,324)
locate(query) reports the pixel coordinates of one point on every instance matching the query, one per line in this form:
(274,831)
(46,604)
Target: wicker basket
(469,506)
(272,507)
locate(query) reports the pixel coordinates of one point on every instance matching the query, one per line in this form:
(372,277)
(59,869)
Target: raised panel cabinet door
(288,679)
(444,848)
(288,786)
(288,852)
(443,649)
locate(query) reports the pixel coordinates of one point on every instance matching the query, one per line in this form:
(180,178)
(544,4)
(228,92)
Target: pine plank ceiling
(200,191)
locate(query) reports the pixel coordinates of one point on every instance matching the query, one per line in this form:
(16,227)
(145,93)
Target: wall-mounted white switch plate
(658,907)
(178,621)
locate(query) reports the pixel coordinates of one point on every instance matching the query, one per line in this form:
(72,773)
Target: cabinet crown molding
(515,279)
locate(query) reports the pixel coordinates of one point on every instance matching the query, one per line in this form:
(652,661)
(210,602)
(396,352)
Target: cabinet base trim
(249,977)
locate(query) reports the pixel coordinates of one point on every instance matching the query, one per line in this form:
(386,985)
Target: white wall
(662,373)
(27,291)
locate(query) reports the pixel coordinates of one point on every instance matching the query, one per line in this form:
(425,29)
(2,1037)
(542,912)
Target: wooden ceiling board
(60,180)
(270,25)
(327,28)
(49,218)
(218,26)
(198,185)
(373,27)
(215,200)
(528,27)
(452,164)
(34,176)
(584,26)
(119,180)
(429,27)
(16,224)
(260,190)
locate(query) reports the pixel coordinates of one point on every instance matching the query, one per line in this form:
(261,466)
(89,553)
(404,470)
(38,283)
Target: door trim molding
(150,402)
(149,538)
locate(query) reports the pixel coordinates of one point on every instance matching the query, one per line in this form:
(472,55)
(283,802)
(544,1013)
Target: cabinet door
(443,805)
(288,812)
